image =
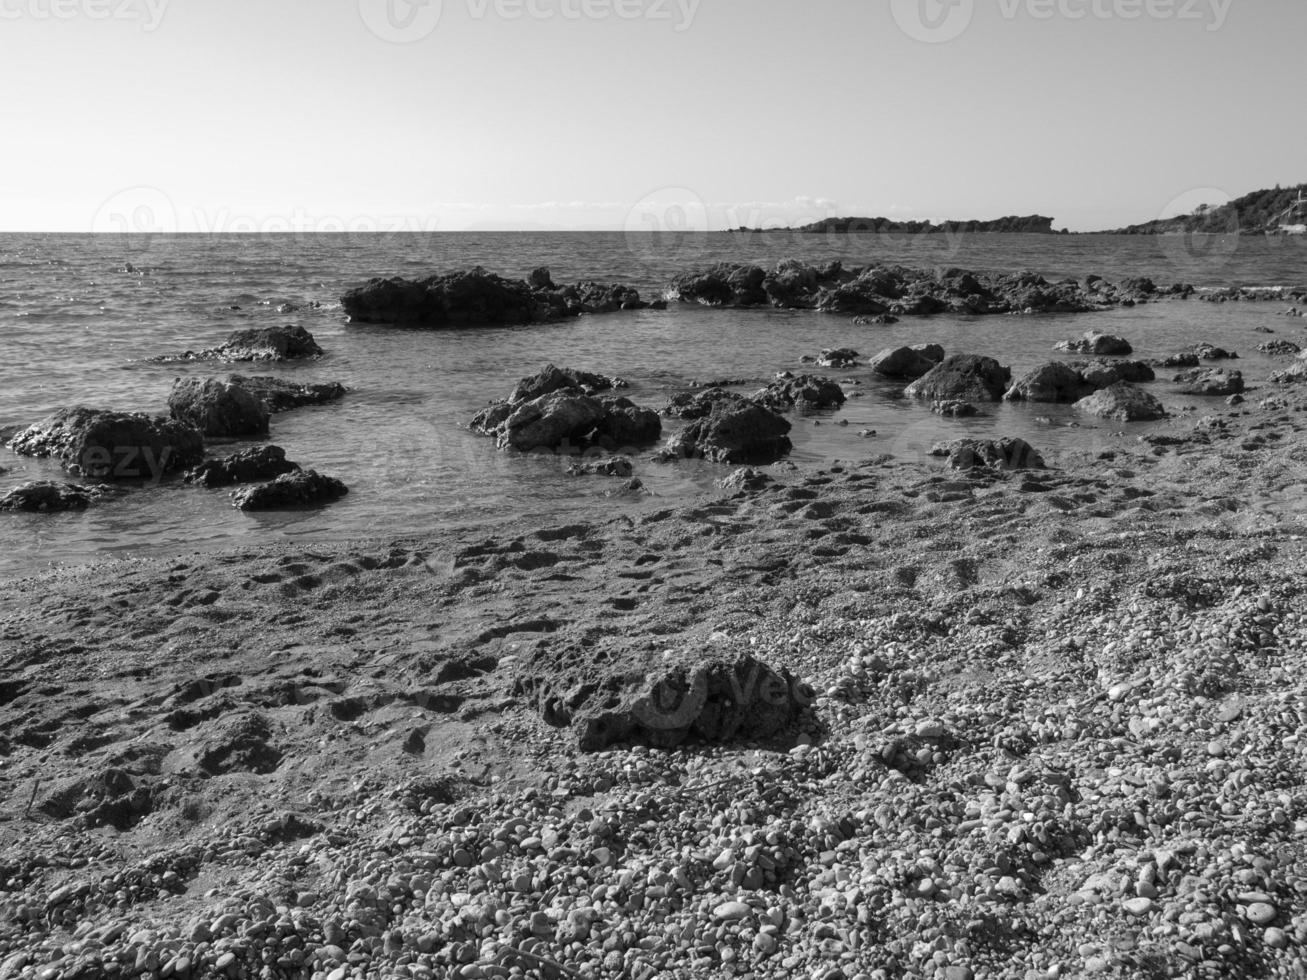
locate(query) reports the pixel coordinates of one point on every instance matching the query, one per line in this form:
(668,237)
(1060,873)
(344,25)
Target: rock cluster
(288,343)
(108,445)
(1070,381)
(1122,402)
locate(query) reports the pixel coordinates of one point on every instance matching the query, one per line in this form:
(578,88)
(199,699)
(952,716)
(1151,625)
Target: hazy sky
(237,115)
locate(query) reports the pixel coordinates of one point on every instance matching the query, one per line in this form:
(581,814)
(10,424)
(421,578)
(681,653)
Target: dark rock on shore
(475,298)
(112,445)
(734,430)
(1279,348)
(281,396)
(553,379)
(286,343)
(1103,374)
(1122,402)
(246,466)
(962,377)
(803,392)
(1210,381)
(714,699)
(1098,344)
(747,479)
(300,488)
(1210,352)
(1001,454)
(218,408)
(618,466)
(45,496)
(626,426)
(907,363)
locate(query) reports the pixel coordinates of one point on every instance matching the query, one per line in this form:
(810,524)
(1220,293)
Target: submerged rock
(286,343)
(962,377)
(955,409)
(840,357)
(301,488)
(1002,454)
(475,298)
(618,466)
(218,408)
(112,445)
(281,396)
(246,466)
(1122,402)
(1097,344)
(631,698)
(1210,352)
(46,496)
(734,431)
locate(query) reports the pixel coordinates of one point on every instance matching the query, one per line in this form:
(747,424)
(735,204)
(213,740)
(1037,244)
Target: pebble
(1260,913)
(1139,906)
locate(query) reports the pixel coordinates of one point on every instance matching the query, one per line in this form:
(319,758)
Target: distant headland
(1035,224)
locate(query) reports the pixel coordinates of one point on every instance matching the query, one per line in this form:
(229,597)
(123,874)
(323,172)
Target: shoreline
(1057,726)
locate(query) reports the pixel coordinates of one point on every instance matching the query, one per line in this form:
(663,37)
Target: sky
(450,115)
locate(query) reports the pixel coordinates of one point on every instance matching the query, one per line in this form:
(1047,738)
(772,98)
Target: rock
(246,466)
(112,445)
(962,377)
(803,392)
(1260,913)
(904,362)
(731,912)
(45,496)
(1004,454)
(1139,906)
(727,284)
(560,420)
(842,357)
(626,426)
(747,479)
(218,408)
(477,298)
(1279,348)
(553,379)
(954,409)
(1055,381)
(1210,352)
(1097,344)
(734,431)
(1104,374)
(286,343)
(1210,381)
(621,697)
(1122,402)
(1175,361)
(281,396)
(299,488)
(615,466)
(690,405)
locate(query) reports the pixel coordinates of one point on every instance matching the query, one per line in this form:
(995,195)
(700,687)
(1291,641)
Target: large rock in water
(654,701)
(246,466)
(965,377)
(112,445)
(218,408)
(477,298)
(556,410)
(301,488)
(281,396)
(734,431)
(1122,402)
(1097,344)
(908,363)
(1055,381)
(1104,373)
(805,391)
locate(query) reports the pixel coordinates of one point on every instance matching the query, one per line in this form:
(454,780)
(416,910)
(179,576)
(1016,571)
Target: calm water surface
(79,316)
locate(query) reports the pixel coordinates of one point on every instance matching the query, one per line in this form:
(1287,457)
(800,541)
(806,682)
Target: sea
(81,316)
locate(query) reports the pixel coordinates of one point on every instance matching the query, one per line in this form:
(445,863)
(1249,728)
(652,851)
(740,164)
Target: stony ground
(1059,731)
